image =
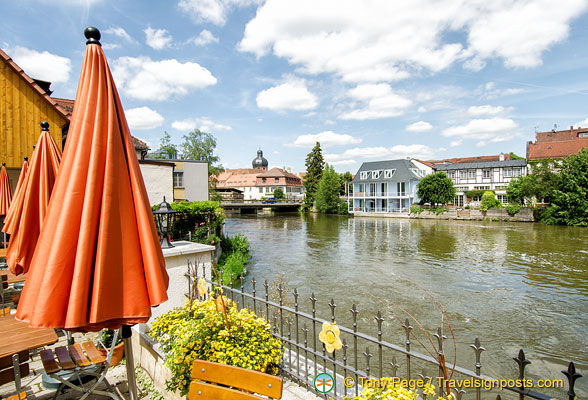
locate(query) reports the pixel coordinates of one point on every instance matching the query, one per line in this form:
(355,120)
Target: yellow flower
(219,304)
(330,336)
(201,287)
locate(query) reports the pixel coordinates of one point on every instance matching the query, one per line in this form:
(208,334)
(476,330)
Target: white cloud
(110,46)
(581,124)
(379,101)
(204,38)
(354,41)
(204,124)
(456,143)
(385,153)
(343,162)
(145,79)
(157,39)
(486,110)
(326,139)
(143,118)
(291,95)
(120,32)
(213,11)
(491,130)
(41,65)
(490,91)
(420,126)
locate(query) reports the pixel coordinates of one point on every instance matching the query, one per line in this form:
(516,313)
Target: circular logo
(323,383)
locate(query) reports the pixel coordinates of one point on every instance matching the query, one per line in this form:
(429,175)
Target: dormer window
(376,174)
(389,173)
(363,174)
(583,135)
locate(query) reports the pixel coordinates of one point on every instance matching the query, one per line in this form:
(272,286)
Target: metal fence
(364,358)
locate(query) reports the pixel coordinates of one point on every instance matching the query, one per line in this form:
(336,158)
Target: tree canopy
(435,189)
(200,145)
(540,185)
(345,178)
(166,148)
(569,205)
(327,195)
(314,169)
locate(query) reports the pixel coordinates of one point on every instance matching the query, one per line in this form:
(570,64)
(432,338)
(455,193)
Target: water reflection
(512,285)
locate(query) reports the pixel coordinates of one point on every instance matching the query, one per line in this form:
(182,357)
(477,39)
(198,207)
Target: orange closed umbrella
(5,194)
(16,204)
(30,207)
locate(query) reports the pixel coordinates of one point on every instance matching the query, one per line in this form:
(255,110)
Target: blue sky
(370,80)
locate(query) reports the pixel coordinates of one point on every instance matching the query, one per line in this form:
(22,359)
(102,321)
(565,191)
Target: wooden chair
(68,365)
(237,383)
(13,368)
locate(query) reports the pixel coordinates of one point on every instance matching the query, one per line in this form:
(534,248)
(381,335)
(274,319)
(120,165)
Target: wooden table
(13,278)
(17,336)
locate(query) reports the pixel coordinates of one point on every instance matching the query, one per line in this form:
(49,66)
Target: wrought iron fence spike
(522,362)
(333,306)
(572,376)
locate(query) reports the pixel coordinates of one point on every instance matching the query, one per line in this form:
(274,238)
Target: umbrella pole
(127,340)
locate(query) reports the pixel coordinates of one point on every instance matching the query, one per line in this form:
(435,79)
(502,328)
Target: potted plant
(105,337)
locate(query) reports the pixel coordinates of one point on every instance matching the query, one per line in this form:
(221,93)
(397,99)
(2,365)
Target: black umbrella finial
(26,159)
(44,126)
(93,35)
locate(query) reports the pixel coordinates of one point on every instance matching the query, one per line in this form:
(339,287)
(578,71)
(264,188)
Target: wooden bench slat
(7,375)
(92,353)
(49,362)
(78,355)
(6,362)
(64,358)
(206,391)
(253,381)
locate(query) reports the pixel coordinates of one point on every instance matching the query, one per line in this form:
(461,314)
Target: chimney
(501,157)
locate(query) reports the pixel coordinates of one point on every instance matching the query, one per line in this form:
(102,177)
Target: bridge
(251,206)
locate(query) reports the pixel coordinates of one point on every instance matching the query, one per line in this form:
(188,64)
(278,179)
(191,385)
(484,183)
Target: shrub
(439,211)
(416,210)
(489,201)
(234,257)
(343,207)
(198,331)
(513,209)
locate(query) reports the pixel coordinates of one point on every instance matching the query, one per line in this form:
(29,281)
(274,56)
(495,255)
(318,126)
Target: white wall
(159,182)
(195,180)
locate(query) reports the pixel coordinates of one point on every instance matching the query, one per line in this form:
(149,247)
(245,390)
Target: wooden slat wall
(21,111)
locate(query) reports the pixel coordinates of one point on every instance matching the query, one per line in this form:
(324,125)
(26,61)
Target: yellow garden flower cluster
(390,389)
(198,331)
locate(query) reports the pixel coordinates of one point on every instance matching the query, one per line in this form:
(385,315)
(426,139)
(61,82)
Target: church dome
(259,161)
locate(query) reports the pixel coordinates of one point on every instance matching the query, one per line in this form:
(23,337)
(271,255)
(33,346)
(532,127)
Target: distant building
(257,182)
(190,180)
(386,186)
(557,144)
(482,174)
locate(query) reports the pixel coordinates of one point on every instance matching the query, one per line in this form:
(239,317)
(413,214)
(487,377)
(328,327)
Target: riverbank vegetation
(234,257)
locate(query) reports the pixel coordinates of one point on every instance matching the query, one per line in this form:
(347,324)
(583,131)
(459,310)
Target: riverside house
(482,175)
(386,186)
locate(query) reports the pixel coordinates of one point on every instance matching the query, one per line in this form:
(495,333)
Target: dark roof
(402,173)
(276,173)
(482,164)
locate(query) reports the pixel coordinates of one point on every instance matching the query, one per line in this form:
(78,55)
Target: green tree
(279,194)
(435,189)
(200,145)
(327,195)
(521,189)
(314,170)
(345,179)
(546,181)
(166,149)
(569,205)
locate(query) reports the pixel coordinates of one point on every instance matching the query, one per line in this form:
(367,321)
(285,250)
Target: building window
(507,172)
(486,173)
(502,198)
(376,174)
(389,173)
(277,180)
(260,190)
(583,134)
(451,174)
(263,180)
(472,174)
(481,187)
(363,175)
(516,172)
(179,179)
(400,187)
(458,201)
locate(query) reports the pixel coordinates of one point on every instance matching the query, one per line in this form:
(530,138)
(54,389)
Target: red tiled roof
(32,83)
(460,160)
(561,149)
(139,144)
(66,104)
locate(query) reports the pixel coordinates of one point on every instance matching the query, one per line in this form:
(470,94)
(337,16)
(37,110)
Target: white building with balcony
(483,175)
(386,186)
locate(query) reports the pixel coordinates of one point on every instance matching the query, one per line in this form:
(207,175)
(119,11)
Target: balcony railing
(362,355)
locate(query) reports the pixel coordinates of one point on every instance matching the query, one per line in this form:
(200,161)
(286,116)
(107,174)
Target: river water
(512,285)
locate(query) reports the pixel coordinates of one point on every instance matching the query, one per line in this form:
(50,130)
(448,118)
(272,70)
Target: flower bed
(203,330)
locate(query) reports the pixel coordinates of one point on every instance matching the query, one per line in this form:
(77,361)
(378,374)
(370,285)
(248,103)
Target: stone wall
(500,214)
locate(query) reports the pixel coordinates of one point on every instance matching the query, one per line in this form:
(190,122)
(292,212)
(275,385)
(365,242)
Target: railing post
(266,287)
(478,349)
(354,315)
(441,357)
(378,318)
(313,301)
(522,362)
(572,375)
(407,329)
(297,336)
(253,291)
